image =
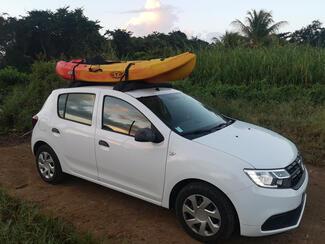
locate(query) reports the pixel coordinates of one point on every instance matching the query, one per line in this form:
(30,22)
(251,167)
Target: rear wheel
(205,212)
(48,165)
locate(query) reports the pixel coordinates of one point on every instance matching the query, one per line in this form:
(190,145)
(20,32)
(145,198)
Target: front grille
(296,171)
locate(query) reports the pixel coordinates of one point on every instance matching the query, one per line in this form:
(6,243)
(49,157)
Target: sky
(201,18)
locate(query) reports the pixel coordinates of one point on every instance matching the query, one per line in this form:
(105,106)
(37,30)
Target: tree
(6,36)
(122,42)
(49,35)
(259,27)
(153,45)
(313,34)
(196,43)
(233,39)
(157,45)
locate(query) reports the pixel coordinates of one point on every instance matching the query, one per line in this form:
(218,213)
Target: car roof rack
(123,86)
(136,85)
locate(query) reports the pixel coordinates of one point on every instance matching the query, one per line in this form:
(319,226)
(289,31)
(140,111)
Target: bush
(9,77)
(26,100)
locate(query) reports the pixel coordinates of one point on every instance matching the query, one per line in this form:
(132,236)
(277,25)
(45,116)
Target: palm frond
(258,25)
(274,28)
(242,27)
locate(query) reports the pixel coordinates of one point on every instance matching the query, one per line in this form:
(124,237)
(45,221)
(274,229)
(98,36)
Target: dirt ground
(119,218)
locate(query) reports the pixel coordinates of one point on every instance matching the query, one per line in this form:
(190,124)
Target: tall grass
(290,64)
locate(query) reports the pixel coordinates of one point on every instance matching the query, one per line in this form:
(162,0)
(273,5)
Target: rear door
(73,131)
(135,167)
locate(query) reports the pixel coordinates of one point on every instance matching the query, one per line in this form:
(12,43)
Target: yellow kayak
(151,71)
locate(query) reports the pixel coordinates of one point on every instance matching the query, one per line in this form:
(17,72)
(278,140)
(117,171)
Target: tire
(48,165)
(219,215)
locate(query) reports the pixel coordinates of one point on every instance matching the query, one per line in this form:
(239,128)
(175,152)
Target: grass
(296,112)
(277,65)
(22,222)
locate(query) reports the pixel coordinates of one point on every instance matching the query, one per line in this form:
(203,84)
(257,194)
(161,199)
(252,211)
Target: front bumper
(264,211)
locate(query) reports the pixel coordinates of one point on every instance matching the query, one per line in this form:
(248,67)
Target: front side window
(77,107)
(119,116)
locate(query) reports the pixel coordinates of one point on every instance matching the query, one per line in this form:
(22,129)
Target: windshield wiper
(209,130)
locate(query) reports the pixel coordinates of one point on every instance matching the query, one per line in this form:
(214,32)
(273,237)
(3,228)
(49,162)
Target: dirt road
(118,217)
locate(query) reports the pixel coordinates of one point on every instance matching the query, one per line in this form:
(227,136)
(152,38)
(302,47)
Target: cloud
(143,10)
(203,35)
(155,16)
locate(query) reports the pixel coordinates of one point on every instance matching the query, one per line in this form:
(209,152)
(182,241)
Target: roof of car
(135,93)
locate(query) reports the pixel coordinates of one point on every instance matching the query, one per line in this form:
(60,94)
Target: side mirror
(148,135)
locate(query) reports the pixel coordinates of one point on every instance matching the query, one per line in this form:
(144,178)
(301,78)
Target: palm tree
(233,39)
(259,27)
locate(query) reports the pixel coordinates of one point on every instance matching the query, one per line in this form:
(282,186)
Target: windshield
(185,115)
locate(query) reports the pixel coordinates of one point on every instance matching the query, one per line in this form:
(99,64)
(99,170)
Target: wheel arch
(38,144)
(183,183)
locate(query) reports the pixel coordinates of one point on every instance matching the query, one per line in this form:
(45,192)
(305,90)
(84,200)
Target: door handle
(55,130)
(103,143)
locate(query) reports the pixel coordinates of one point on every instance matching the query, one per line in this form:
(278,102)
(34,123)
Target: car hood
(261,148)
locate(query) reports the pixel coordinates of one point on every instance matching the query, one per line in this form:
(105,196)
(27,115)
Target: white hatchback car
(160,145)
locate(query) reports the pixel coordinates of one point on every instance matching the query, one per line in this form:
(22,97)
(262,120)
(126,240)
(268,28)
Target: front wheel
(205,212)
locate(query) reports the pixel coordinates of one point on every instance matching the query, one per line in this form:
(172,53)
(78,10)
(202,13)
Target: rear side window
(77,107)
(61,104)
(119,116)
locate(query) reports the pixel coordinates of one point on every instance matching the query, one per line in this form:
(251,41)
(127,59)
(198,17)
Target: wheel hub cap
(46,165)
(201,215)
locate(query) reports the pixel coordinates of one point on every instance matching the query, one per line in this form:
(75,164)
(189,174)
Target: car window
(119,116)
(185,115)
(61,104)
(77,107)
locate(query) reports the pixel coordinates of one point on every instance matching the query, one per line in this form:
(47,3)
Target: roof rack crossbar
(136,85)
(123,86)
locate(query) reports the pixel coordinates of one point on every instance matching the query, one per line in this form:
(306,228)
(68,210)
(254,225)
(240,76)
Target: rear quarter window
(61,105)
(77,107)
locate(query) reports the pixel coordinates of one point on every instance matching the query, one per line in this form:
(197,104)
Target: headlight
(278,178)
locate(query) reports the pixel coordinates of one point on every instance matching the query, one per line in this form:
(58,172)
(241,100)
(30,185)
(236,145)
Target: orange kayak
(152,71)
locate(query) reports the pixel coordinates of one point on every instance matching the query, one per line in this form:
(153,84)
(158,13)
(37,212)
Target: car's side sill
(117,189)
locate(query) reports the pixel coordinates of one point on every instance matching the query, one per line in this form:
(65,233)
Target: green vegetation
(43,34)
(259,28)
(302,65)
(22,222)
(21,100)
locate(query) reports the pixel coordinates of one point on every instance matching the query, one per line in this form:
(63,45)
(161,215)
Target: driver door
(128,165)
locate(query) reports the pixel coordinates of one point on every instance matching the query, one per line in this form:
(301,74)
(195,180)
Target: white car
(160,145)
